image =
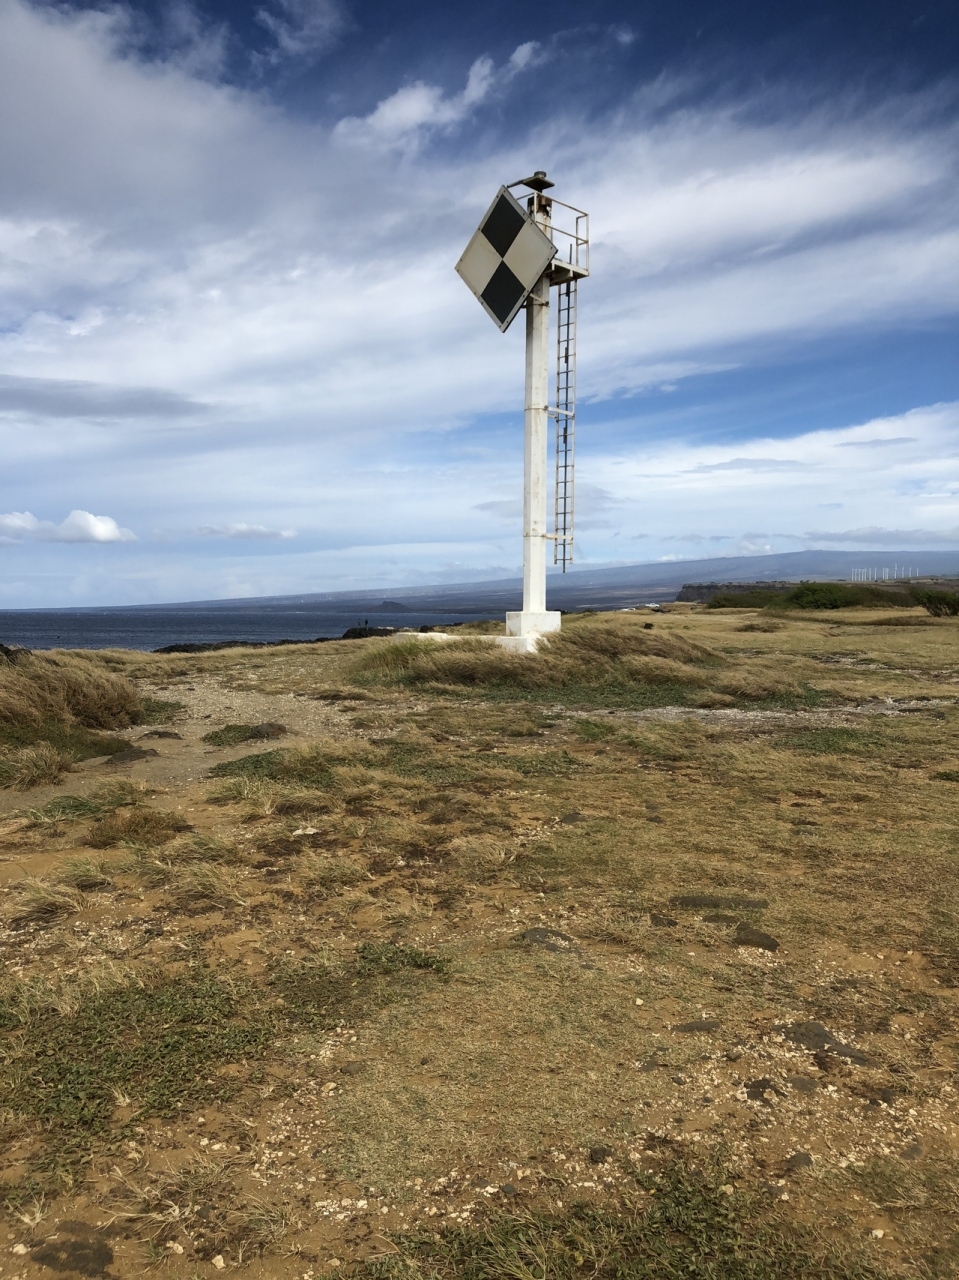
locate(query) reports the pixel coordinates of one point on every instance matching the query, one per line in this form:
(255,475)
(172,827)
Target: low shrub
(816,595)
(941,604)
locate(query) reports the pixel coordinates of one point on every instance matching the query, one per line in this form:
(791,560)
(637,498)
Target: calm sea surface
(154,628)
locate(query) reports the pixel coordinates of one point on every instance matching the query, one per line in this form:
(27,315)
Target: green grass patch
(832,742)
(680,1223)
(593,730)
(394,957)
(161,711)
(160,1044)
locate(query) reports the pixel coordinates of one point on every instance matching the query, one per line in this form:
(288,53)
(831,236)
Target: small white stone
(877,1233)
(20,1248)
(174,1246)
(639,1002)
(219,1263)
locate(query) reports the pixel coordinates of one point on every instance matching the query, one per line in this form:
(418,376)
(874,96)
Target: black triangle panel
(503,226)
(503,293)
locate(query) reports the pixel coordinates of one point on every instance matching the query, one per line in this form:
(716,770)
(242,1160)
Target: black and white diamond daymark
(505,258)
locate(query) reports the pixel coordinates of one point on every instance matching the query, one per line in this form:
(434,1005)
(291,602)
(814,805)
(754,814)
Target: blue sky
(235,358)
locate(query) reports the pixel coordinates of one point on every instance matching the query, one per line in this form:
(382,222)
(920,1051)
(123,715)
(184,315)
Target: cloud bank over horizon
(228,313)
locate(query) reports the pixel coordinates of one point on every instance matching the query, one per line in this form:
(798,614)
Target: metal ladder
(564,415)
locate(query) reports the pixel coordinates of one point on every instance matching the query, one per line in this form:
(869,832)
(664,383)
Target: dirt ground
(423,955)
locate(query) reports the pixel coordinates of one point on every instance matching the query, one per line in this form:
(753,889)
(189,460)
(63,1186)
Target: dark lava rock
(551,939)
(364,633)
(798,1160)
(353,1068)
(702,1024)
(599,1155)
(662,922)
(568,819)
(717,902)
(756,1090)
(813,1035)
(912,1152)
(130,755)
(720,917)
(508,1189)
(647,626)
(747,936)
(802,1084)
(160,733)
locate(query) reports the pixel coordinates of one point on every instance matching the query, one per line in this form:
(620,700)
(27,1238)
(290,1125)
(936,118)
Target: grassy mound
(52,706)
(598,661)
(618,658)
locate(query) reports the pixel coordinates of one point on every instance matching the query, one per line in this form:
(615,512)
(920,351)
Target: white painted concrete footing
(527,643)
(533,622)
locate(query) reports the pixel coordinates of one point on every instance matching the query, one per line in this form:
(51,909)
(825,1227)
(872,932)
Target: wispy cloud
(244,531)
(79,526)
(407,114)
(879,442)
(873,536)
(302,28)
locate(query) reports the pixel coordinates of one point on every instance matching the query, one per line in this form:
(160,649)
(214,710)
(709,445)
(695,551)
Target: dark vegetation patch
(681,1223)
(817,595)
(231,735)
(319,995)
(839,595)
(941,604)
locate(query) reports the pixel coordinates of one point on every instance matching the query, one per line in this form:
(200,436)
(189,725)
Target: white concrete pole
(535,425)
(535,619)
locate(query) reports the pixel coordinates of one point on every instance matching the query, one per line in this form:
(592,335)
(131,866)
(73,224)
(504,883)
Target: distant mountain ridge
(613,587)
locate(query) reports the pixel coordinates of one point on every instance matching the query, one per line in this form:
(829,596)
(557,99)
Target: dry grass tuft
(141,827)
(33,766)
(85,874)
(58,687)
(40,900)
(204,884)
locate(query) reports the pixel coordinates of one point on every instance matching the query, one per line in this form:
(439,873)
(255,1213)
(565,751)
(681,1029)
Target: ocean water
(146,628)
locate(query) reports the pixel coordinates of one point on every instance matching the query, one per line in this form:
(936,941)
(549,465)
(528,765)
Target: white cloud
(418,107)
(79,526)
(244,531)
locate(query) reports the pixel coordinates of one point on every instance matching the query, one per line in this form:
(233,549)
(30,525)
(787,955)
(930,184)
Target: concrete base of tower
(525,622)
